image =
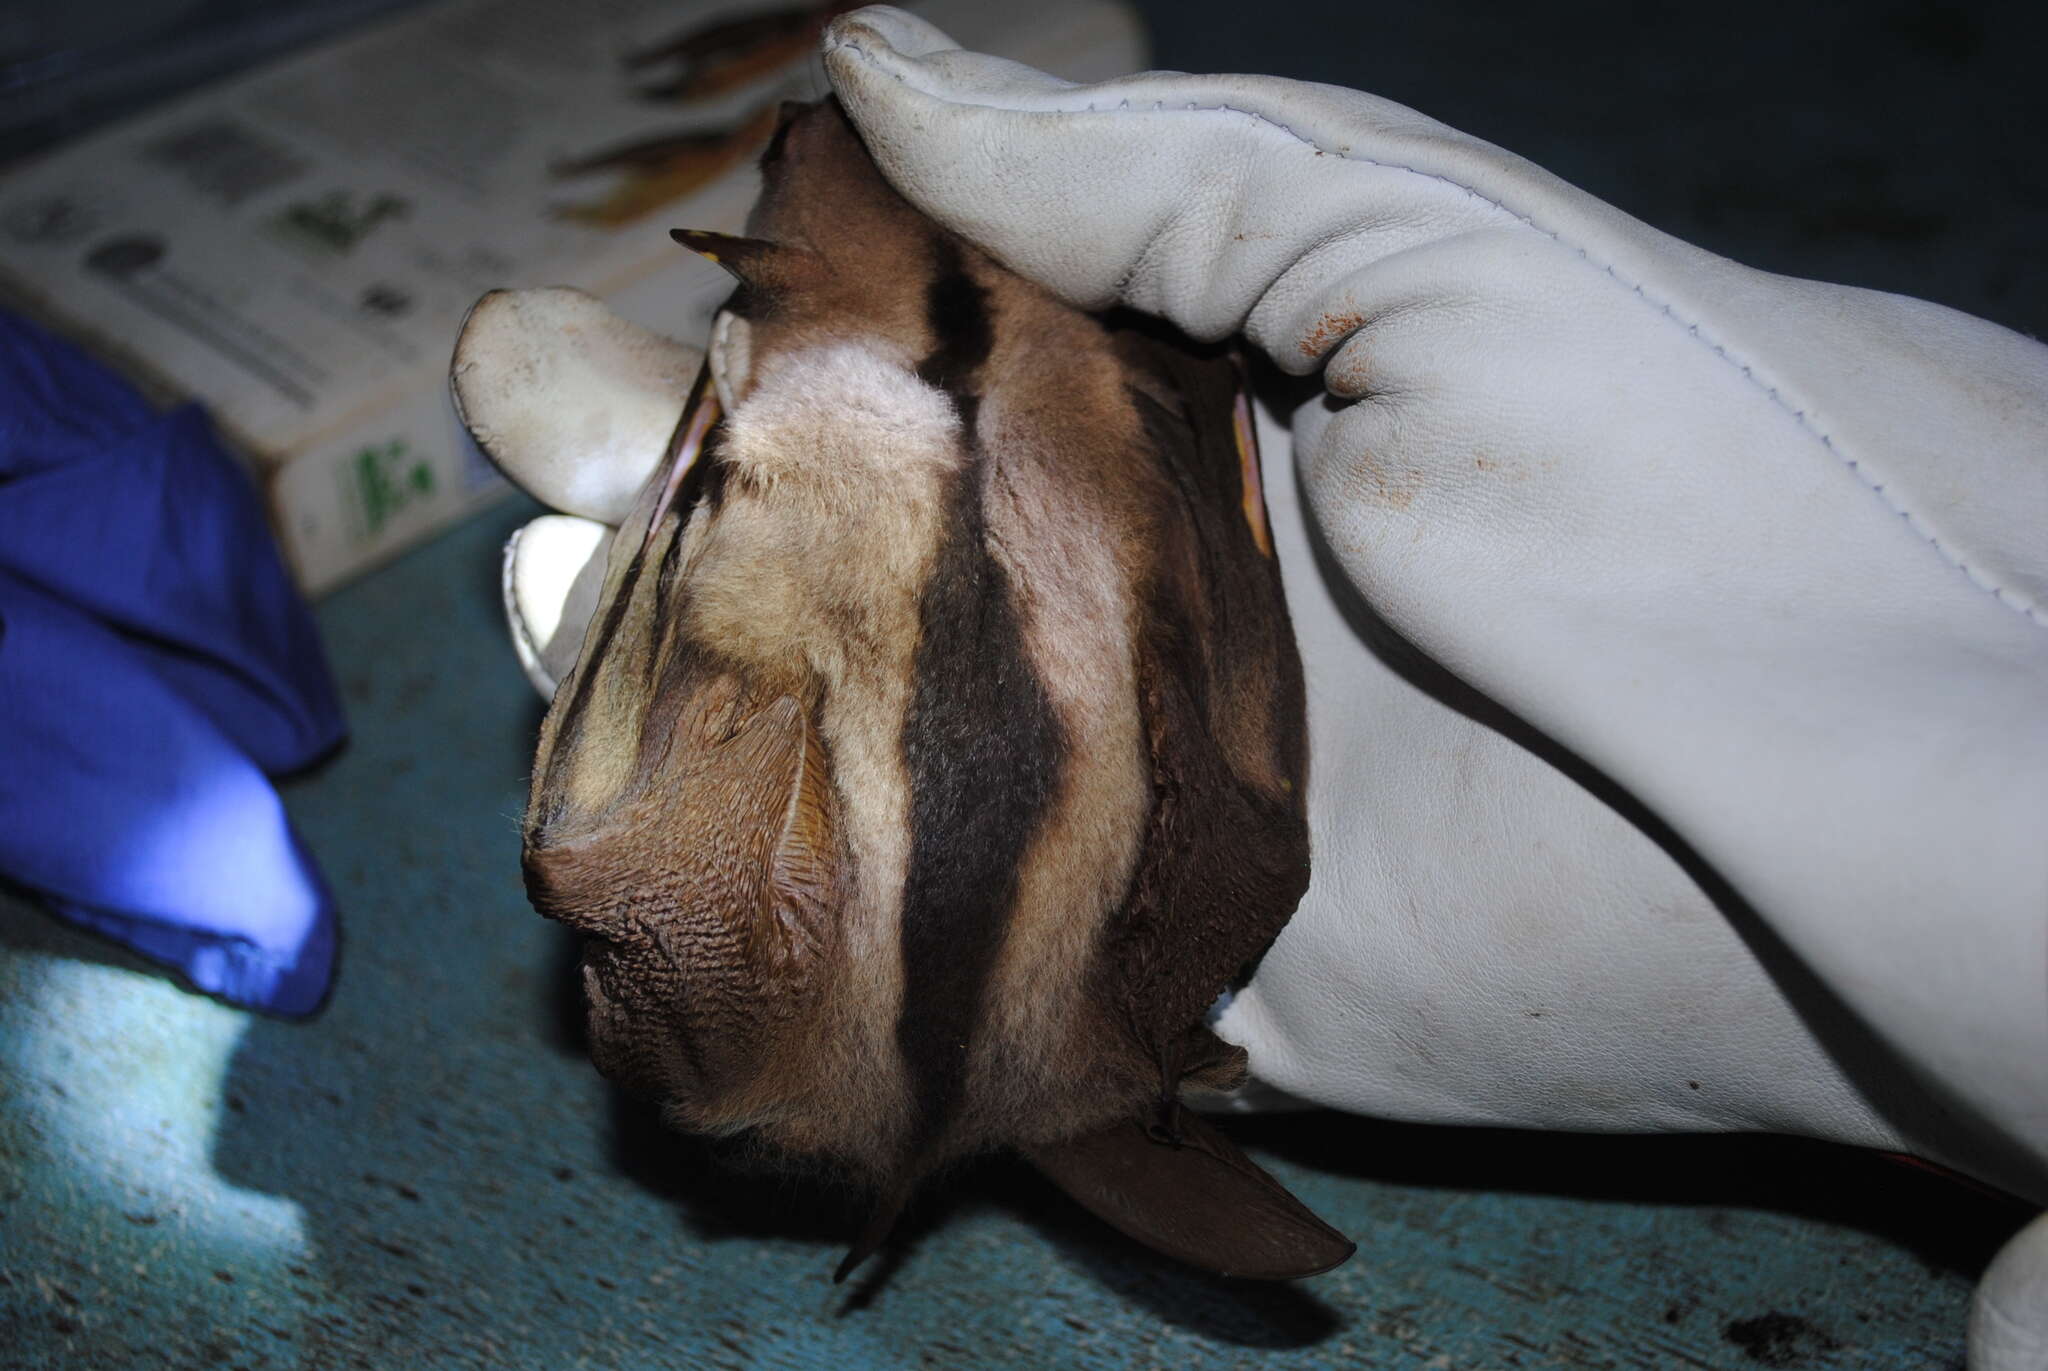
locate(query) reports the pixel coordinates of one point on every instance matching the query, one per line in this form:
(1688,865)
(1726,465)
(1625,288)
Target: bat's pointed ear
(754,262)
(1189,1193)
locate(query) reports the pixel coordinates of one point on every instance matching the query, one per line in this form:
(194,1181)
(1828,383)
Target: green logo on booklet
(334,223)
(382,479)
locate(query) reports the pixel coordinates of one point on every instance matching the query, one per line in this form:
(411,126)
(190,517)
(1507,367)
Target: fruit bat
(935,753)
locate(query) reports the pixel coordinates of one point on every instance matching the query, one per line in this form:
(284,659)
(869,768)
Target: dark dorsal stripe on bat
(786,116)
(983,752)
(980,742)
(957,310)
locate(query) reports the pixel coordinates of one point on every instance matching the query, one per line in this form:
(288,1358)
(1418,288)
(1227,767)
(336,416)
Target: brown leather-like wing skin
(1226,855)
(1200,1200)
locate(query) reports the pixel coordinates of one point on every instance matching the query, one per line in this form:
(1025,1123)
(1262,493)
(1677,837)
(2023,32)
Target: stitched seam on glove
(2011,600)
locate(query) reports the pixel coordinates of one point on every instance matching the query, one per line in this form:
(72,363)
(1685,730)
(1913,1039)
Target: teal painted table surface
(431,1174)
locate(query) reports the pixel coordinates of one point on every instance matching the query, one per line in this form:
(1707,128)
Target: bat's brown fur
(764,790)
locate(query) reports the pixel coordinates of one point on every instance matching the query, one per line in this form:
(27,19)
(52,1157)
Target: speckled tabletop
(432,1175)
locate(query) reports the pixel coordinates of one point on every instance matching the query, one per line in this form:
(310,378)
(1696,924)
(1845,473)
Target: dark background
(1896,145)
(1891,145)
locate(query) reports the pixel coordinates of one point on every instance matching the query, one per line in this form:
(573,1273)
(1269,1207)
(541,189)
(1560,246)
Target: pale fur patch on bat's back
(1071,566)
(1060,559)
(832,511)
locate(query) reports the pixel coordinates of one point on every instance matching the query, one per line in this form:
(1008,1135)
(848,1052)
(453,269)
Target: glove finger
(1199,198)
(553,570)
(572,402)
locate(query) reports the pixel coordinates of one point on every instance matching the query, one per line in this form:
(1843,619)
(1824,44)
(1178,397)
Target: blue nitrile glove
(156,665)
